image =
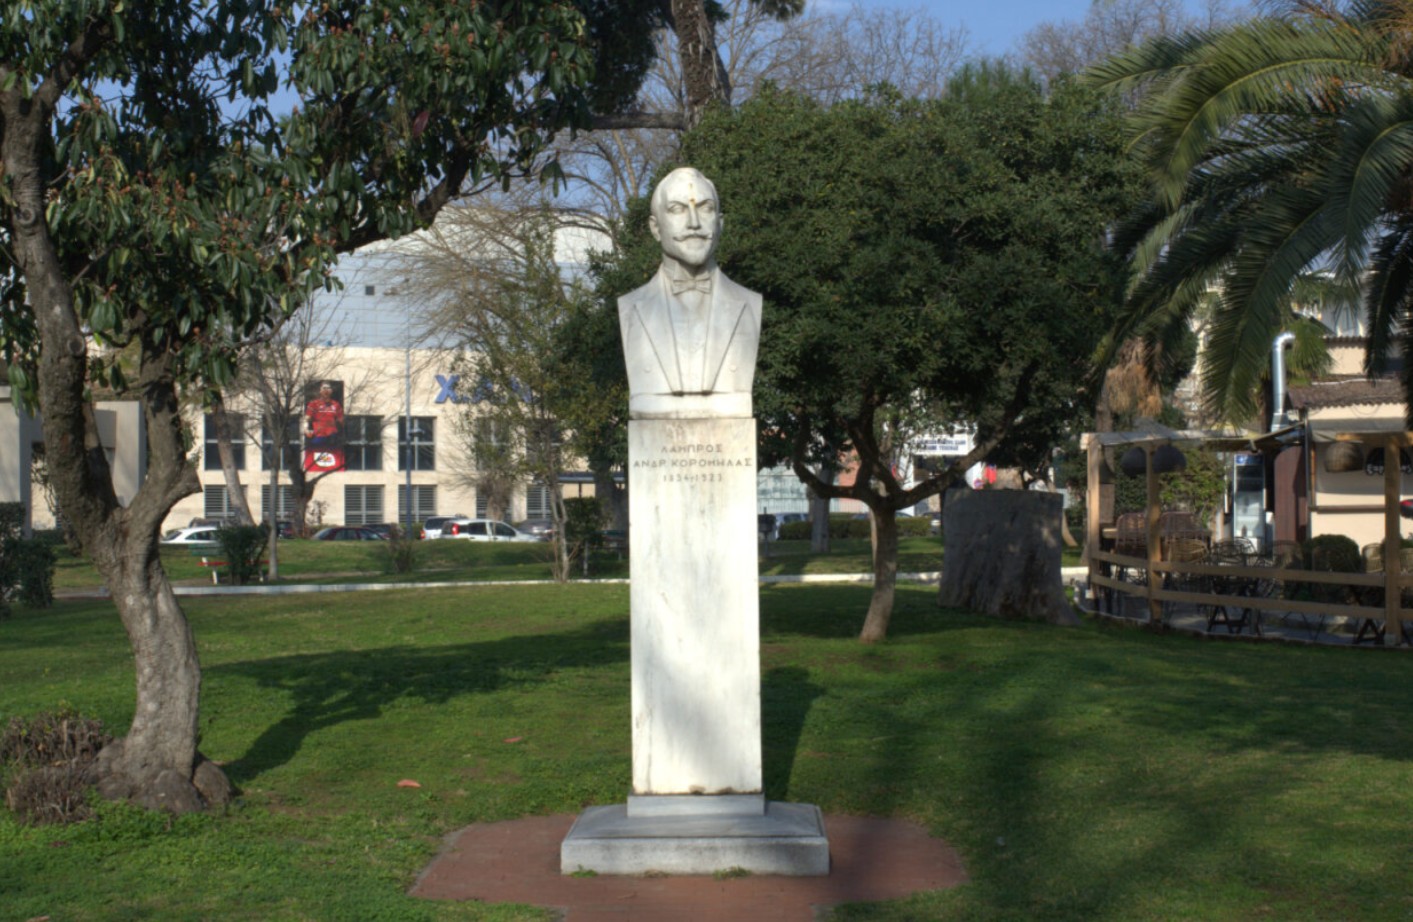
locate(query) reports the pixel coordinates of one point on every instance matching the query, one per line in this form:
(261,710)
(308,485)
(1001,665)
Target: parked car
(483,530)
(432,528)
(542,529)
(285,529)
(383,528)
(347,533)
(203,535)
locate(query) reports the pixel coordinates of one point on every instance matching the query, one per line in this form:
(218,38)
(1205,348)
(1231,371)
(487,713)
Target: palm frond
(1289,234)
(1387,292)
(1263,66)
(1374,161)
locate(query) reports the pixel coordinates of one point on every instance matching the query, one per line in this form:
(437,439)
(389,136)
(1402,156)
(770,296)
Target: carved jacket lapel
(726,313)
(654,314)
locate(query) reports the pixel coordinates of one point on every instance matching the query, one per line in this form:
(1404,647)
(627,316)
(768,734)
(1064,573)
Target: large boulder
(1003,555)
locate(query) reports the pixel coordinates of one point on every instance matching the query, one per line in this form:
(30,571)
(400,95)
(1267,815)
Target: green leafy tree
(924,263)
(492,280)
(156,207)
(1274,147)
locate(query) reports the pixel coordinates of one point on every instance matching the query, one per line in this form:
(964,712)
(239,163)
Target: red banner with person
(323,426)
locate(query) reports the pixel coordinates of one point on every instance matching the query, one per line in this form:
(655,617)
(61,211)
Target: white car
(432,528)
(200,535)
(483,530)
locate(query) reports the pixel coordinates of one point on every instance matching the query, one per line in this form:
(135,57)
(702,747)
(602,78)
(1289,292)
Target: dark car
(383,528)
(347,533)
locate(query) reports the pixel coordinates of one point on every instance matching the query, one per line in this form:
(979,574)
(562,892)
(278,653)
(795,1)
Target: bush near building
(26,564)
(844,525)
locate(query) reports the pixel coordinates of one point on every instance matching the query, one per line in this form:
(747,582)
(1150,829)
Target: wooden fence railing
(1256,587)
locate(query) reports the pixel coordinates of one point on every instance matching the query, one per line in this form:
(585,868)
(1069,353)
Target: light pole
(407,434)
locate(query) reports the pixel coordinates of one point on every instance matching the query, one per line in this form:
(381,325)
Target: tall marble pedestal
(697,805)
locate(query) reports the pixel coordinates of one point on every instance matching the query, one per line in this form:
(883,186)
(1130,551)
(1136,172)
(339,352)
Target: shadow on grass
(786,698)
(1149,780)
(330,688)
(838,611)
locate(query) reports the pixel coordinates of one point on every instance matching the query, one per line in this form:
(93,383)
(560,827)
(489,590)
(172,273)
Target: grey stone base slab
(788,839)
(695,805)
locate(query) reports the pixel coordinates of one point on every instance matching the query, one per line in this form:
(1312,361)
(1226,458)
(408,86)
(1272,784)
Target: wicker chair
(1236,551)
(1131,535)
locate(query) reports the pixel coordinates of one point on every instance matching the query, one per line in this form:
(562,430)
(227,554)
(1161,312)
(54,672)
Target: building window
(286,501)
(416,453)
(291,452)
(482,505)
(362,504)
(537,501)
(211,451)
(217,504)
(424,503)
(370,290)
(363,443)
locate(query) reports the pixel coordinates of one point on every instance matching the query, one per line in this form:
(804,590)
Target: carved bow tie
(702,284)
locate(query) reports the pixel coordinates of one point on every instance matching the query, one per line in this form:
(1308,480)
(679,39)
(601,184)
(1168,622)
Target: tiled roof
(1353,390)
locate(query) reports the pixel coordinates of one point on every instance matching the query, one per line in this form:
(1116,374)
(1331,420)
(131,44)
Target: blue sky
(993,26)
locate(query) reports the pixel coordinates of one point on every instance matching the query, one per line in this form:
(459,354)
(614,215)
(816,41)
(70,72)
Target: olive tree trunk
(884,532)
(1003,555)
(157,763)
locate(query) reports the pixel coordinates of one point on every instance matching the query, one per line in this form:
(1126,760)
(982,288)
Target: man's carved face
(686,219)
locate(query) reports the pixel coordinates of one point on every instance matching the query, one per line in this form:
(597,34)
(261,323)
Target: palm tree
(1276,147)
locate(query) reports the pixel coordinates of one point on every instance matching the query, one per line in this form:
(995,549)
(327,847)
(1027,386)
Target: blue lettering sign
(447,383)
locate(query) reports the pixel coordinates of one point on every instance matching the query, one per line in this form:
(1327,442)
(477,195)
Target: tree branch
(672,121)
(71,63)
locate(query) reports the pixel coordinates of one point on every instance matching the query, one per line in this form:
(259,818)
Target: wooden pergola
(1164,574)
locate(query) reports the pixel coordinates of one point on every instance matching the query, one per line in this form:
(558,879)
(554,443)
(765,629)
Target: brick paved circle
(518,861)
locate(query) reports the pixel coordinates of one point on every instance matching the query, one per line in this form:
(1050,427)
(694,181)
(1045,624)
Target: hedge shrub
(242,546)
(796,531)
(26,564)
(845,525)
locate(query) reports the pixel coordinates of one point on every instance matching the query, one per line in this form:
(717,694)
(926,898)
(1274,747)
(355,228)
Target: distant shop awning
(1356,428)
(1218,439)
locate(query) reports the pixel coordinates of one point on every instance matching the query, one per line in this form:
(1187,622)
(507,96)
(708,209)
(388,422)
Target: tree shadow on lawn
(838,611)
(1123,787)
(330,688)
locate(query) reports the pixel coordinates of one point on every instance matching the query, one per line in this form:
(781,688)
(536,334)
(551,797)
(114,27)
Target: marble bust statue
(690,335)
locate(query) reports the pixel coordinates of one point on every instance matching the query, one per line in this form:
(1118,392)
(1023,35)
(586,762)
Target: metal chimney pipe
(1278,378)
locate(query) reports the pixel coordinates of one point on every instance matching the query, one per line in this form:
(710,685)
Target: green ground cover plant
(1095,773)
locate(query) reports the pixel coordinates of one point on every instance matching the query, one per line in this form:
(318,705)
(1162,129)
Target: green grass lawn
(303,561)
(1086,774)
